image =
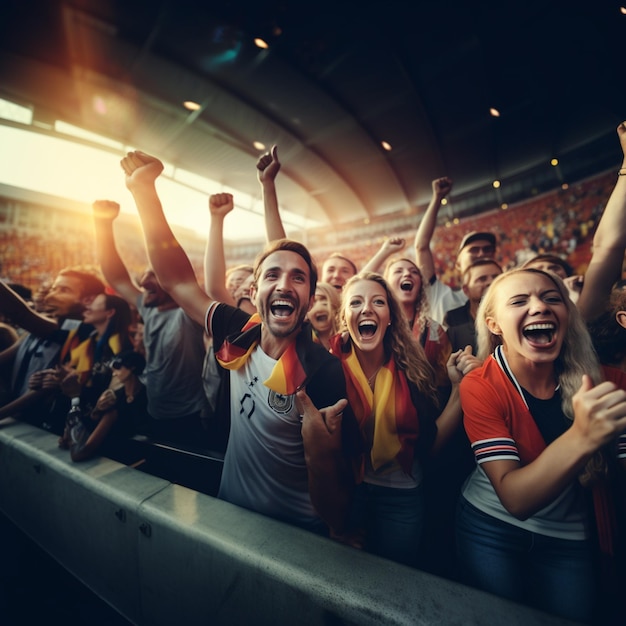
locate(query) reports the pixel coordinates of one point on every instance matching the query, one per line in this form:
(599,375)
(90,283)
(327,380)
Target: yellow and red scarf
(396,425)
(82,356)
(292,369)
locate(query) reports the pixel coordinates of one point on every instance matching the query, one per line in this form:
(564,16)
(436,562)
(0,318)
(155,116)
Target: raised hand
(268,165)
(140,169)
(599,413)
(105,209)
(221,204)
(391,245)
(441,187)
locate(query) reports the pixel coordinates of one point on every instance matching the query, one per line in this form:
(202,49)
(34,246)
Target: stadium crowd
(451,397)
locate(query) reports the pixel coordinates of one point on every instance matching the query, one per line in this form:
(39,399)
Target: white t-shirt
(564,518)
(442,298)
(264,466)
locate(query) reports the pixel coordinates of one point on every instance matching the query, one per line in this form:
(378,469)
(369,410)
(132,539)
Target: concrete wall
(164,554)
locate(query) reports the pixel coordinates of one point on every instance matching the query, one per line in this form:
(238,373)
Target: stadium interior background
(368,102)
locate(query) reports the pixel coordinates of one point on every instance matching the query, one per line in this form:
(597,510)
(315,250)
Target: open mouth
(321,318)
(540,334)
(367,328)
(406,285)
(282,308)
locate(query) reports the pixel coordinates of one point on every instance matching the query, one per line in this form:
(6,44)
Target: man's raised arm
(113,269)
(168,260)
(268,167)
(426,229)
(220,205)
(16,308)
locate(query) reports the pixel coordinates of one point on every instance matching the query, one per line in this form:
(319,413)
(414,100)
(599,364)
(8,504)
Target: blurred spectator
(460,321)
(173,342)
(323,315)
(336,267)
(560,267)
(474,245)
(116,416)
(48,341)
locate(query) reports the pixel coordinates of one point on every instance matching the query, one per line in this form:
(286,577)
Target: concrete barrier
(164,554)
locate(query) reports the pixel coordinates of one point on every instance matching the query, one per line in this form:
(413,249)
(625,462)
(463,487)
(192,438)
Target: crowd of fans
(364,403)
(561,222)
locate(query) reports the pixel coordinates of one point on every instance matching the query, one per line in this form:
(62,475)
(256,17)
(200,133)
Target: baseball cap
(550,258)
(477,236)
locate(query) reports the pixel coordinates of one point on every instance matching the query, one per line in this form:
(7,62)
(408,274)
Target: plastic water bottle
(74,414)
(74,425)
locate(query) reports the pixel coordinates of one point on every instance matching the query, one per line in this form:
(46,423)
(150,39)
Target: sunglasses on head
(116,365)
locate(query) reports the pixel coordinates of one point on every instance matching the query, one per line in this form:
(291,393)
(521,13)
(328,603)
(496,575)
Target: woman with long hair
(110,316)
(406,282)
(117,415)
(391,389)
(543,418)
(85,373)
(447,471)
(407,285)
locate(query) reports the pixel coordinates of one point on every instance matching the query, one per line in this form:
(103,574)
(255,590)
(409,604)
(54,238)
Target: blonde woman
(537,413)
(407,285)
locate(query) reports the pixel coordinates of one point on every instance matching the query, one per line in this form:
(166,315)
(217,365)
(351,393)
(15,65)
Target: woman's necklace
(371,381)
(130,395)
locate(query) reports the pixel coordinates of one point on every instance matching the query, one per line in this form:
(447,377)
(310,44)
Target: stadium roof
(336,81)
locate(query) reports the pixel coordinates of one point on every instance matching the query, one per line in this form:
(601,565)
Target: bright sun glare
(72,170)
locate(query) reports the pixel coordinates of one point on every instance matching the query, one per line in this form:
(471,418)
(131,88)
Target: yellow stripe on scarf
(386,444)
(82,356)
(115,343)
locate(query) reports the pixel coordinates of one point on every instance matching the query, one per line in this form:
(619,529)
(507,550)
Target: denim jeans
(392,518)
(550,574)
